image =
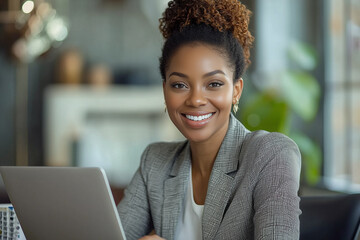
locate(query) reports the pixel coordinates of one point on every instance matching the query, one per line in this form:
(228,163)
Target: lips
(197,119)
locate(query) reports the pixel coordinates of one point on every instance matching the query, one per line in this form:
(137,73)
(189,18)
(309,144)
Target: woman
(223,182)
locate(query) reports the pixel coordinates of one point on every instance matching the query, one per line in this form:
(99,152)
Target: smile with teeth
(198,118)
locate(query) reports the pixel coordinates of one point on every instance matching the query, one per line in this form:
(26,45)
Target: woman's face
(199,92)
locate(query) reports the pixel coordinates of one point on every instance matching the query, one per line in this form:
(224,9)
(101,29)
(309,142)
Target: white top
(190,220)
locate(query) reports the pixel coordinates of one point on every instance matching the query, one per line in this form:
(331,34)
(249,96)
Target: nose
(196,98)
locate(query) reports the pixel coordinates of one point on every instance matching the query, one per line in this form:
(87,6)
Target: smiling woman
(199,91)
(223,182)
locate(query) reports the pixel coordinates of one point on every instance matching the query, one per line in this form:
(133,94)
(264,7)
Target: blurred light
(37,46)
(26,50)
(28,6)
(43,9)
(56,29)
(20,49)
(36,25)
(44,30)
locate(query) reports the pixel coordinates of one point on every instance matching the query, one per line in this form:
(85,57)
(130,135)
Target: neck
(203,154)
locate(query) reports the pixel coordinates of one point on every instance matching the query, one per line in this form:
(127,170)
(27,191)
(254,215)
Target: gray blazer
(252,191)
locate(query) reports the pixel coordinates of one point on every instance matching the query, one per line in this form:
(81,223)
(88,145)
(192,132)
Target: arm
(134,208)
(276,201)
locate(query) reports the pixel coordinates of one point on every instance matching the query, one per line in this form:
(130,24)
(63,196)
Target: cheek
(172,100)
(223,100)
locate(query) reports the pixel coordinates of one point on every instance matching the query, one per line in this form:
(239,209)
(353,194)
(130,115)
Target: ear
(238,87)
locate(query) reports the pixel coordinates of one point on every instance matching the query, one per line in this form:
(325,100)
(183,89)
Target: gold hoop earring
(165,108)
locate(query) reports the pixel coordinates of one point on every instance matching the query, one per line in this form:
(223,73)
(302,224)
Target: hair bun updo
(222,15)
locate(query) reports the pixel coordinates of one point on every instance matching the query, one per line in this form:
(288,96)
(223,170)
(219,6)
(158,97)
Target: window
(342,95)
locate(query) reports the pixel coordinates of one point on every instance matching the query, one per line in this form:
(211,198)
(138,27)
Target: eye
(178,85)
(215,84)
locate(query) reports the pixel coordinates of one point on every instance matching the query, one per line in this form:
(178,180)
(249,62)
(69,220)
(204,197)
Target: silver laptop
(63,203)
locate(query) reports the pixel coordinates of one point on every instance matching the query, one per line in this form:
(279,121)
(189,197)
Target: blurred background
(80,86)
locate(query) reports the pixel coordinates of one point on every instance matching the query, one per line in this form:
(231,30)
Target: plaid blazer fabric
(252,191)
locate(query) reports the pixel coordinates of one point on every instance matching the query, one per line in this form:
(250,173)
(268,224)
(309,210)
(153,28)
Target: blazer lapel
(174,193)
(216,199)
(220,183)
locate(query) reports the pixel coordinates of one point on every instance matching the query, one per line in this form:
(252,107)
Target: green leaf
(304,55)
(302,92)
(311,157)
(265,111)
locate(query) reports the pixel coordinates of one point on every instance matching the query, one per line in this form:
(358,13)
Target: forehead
(197,58)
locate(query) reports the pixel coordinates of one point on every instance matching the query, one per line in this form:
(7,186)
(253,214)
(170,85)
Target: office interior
(80,85)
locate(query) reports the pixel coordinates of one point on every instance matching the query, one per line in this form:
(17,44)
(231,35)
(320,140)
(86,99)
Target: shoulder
(269,147)
(164,148)
(161,154)
(265,141)
(161,151)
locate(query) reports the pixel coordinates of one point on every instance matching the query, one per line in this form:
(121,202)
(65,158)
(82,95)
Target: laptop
(63,203)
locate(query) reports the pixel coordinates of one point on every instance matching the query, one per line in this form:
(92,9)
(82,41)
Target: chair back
(330,217)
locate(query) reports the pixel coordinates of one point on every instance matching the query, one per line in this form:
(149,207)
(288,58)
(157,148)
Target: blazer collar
(227,159)
(182,161)
(174,192)
(220,183)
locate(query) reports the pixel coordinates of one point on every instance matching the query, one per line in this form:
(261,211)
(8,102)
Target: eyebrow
(214,73)
(178,74)
(205,75)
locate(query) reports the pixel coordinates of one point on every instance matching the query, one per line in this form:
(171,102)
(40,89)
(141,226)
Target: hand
(152,237)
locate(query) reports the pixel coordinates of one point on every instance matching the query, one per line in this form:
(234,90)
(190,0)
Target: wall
(120,34)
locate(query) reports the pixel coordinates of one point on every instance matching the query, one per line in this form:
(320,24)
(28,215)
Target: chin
(197,136)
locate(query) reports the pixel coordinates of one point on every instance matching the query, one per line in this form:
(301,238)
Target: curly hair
(224,21)
(223,15)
